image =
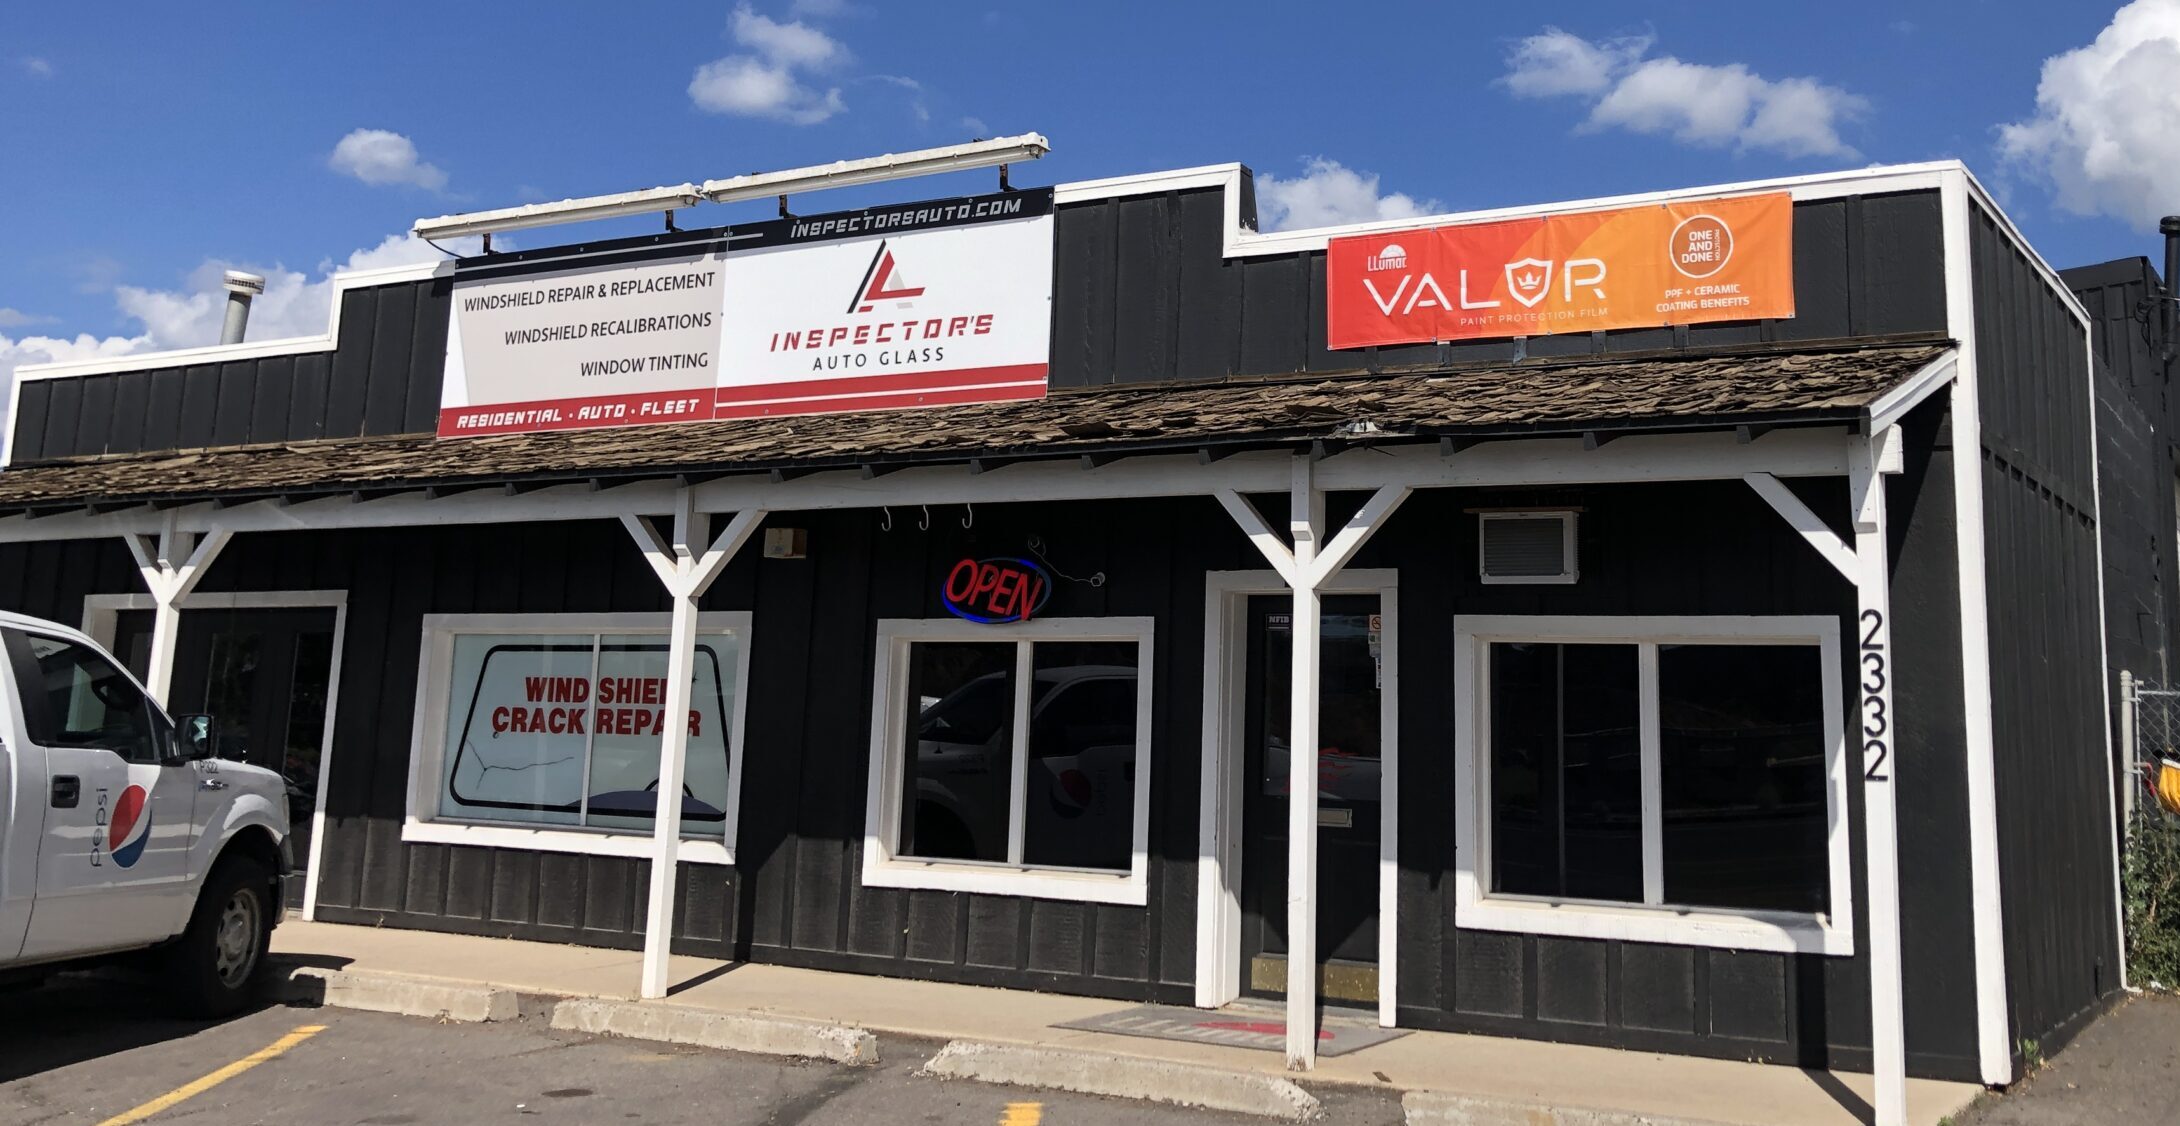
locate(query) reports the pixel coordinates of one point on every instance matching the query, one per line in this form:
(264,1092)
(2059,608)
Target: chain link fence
(2150,880)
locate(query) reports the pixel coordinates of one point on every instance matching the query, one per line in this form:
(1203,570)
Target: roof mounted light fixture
(839,174)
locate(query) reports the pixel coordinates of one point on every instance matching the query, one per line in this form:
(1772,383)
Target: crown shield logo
(1528,281)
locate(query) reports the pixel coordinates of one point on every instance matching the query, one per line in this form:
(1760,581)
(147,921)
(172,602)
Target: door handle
(211,784)
(67,790)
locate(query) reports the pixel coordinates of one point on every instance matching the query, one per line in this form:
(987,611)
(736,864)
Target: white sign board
(909,306)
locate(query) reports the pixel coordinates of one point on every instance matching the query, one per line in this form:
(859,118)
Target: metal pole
(241,287)
(2129,701)
(1307,521)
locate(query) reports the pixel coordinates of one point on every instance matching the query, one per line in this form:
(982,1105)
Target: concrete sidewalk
(1448,1077)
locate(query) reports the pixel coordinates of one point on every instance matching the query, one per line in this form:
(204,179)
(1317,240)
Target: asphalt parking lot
(91,1050)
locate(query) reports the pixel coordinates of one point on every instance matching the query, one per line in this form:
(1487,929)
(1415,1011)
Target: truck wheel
(215,963)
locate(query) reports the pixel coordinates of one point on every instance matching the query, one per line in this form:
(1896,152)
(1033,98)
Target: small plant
(2151,886)
(2032,1056)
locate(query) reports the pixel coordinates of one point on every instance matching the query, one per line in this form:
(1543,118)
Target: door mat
(1235,1027)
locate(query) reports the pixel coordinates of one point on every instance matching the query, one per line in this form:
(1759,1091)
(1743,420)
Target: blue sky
(149,148)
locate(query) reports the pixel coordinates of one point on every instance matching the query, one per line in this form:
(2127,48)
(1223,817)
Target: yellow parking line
(1023,1114)
(200,1086)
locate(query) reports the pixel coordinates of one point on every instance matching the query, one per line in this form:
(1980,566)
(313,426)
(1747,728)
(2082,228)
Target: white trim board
(422,820)
(1238,241)
(99,611)
(1655,920)
(1220,797)
(890,738)
(1820,451)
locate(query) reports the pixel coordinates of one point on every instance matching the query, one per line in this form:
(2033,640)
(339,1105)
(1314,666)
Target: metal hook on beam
(886,525)
(924,525)
(968,518)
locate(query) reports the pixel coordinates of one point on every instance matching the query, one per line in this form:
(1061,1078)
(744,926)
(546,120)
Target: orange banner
(1637,267)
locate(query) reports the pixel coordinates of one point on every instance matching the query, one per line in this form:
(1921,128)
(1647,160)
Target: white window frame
(1572,572)
(889,741)
(427,751)
(1476,908)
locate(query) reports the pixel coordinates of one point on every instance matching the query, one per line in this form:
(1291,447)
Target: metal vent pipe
(2169,226)
(241,287)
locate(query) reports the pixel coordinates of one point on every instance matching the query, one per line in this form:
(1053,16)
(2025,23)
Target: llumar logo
(881,282)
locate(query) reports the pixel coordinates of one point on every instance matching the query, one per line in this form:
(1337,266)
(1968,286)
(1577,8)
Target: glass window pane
(1566,773)
(88,702)
(629,719)
(1079,795)
(518,717)
(1743,778)
(954,787)
(231,690)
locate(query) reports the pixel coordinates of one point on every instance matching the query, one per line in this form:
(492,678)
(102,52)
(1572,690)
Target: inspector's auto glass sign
(920,304)
(1633,267)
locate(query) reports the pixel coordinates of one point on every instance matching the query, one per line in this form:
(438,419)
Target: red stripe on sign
(879,384)
(576,414)
(895,400)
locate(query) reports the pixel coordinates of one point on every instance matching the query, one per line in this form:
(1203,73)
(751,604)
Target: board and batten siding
(1142,293)
(795,898)
(2048,702)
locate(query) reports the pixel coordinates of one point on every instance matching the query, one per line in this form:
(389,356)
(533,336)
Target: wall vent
(1526,547)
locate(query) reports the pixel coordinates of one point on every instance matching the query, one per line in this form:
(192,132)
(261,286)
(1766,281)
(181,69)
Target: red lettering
(984,324)
(499,721)
(957,326)
(654,690)
(534,687)
(862,334)
(961,581)
(1029,604)
(987,578)
(696,724)
(839,333)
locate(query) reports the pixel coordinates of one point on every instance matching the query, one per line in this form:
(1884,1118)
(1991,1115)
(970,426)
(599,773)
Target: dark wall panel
(2048,667)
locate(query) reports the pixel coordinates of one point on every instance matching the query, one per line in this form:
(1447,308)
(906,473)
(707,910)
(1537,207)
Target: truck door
(22,820)
(113,860)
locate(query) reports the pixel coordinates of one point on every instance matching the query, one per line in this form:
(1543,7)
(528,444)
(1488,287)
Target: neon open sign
(996,590)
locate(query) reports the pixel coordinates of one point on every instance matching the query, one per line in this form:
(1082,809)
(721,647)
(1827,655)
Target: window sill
(1780,932)
(585,842)
(1128,889)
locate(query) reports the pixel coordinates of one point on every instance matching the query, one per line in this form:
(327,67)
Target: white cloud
(1327,194)
(294,303)
(379,157)
(770,81)
(16,318)
(2103,133)
(822,9)
(1559,62)
(1695,103)
(976,127)
(36,67)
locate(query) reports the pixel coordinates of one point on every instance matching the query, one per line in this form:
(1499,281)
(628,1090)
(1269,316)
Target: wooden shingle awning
(1770,387)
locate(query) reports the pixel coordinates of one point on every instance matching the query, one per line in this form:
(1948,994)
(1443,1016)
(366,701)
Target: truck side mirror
(196,736)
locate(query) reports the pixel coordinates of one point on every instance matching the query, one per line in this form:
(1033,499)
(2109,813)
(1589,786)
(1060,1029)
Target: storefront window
(1011,758)
(1692,766)
(562,728)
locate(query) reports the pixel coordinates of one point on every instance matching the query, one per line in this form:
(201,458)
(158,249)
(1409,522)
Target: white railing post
(1306,521)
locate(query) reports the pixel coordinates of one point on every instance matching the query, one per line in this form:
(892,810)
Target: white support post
(1311,564)
(1874,679)
(687,568)
(1865,565)
(1306,519)
(172,564)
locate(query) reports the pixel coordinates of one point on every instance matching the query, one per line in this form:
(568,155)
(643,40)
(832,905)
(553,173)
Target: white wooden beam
(1358,530)
(172,563)
(1812,527)
(1880,766)
(1260,534)
(1306,520)
(687,564)
(1511,463)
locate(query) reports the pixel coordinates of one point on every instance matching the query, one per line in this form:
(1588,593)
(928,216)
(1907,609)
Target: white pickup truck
(121,836)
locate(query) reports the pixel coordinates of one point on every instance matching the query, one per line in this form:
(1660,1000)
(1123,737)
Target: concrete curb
(739,1032)
(433,998)
(1435,1108)
(1126,1077)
